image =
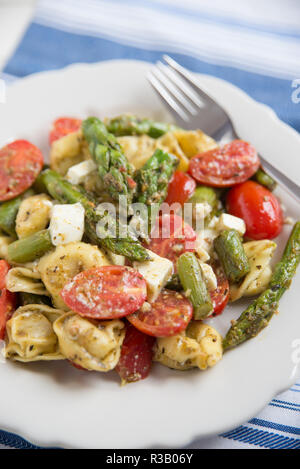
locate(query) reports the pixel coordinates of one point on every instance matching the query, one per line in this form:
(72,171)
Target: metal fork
(193,108)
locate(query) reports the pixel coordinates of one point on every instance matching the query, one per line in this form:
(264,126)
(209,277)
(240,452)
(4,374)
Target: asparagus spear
(257,316)
(113,167)
(205,194)
(132,125)
(190,274)
(264,179)
(30,248)
(230,250)
(153,180)
(9,211)
(65,192)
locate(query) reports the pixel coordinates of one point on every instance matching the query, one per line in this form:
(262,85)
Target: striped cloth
(253,44)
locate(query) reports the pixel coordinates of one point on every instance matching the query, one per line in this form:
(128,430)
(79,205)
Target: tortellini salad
(112,303)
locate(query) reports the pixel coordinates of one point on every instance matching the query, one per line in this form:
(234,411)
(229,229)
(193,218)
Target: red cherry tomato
(4,268)
(136,355)
(20,164)
(7,299)
(171,237)
(258,207)
(181,188)
(106,292)
(167,316)
(62,127)
(220,296)
(225,166)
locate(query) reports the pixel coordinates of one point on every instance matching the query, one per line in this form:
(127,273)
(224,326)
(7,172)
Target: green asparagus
(9,211)
(153,181)
(232,256)
(30,248)
(132,125)
(205,194)
(264,179)
(65,192)
(190,274)
(113,167)
(257,316)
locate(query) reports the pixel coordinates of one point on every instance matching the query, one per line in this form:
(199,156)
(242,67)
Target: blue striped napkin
(253,44)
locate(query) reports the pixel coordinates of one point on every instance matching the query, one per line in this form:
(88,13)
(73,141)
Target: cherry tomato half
(62,127)
(181,188)
(4,268)
(167,316)
(136,355)
(20,164)
(258,207)
(106,292)
(219,296)
(171,237)
(225,166)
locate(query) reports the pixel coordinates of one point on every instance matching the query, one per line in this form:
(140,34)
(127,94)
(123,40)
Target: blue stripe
(45,48)
(214,18)
(262,438)
(286,402)
(294,390)
(284,407)
(275,426)
(15,441)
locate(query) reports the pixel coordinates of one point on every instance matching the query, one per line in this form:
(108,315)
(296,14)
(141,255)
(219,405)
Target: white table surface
(14,17)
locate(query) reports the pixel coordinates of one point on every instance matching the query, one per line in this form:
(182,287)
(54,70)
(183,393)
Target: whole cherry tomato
(181,188)
(258,207)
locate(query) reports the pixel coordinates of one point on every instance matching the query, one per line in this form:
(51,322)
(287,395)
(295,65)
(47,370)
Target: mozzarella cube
(66,224)
(157,271)
(229,222)
(201,253)
(201,210)
(116,259)
(77,173)
(209,276)
(205,239)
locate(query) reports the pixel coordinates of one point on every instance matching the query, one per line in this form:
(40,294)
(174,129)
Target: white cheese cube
(209,276)
(205,239)
(229,222)
(201,253)
(156,272)
(66,224)
(201,210)
(116,259)
(77,173)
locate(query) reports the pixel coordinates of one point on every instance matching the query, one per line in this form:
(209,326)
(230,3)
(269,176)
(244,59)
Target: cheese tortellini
(59,267)
(66,152)
(22,279)
(199,346)
(30,335)
(259,254)
(33,215)
(184,144)
(92,345)
(5,241)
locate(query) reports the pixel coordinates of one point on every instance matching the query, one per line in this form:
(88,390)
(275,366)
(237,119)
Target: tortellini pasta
(259,254)
(33,215)
(193,142)
(199,346)
(184,144)
(5,241)
(66,152)
(30,335)
(22,279)
(59,267)
(92,345)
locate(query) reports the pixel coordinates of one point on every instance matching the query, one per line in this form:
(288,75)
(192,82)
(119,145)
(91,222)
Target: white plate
(56,405)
